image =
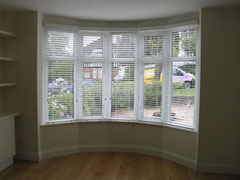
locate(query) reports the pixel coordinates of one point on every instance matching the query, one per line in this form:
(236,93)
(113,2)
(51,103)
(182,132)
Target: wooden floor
(106,166)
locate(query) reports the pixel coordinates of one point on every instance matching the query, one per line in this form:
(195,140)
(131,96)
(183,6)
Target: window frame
(139,60)
(197,76)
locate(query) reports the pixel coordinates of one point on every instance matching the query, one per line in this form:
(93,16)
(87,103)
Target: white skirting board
(198,167)
(218,168)
(6,163)
(28,156)
(120,148)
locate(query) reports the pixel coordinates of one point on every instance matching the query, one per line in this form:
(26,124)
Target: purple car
(186,79)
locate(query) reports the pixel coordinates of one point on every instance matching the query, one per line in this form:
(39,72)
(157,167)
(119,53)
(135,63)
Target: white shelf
(7,115)
(7,59)
(6,34)
(7,84)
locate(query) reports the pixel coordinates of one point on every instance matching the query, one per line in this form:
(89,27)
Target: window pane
(123,46)
(92,46)
(184,43)
(183,92)
(60,44)
(152,89)
(153,46)
(60,90)
(92,89)
(122,89)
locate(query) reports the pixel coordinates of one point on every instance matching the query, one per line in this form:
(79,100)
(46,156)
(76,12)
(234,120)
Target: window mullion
(45,110)
(136,77)
(166,91)
(197,82)
(140,90)
(79,89)
(79,77)
(106,87)
(45,95)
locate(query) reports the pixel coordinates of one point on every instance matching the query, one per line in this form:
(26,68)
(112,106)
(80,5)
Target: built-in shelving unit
(7,59)
(7,115)
(7,84)
(7,119)
(6,34)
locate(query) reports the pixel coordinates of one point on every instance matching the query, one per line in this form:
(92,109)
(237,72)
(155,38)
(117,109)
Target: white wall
(177,145)
(218,147)
(219,128)
(167,142)
(23,97)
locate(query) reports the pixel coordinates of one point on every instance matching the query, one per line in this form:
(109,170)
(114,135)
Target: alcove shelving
(7,84)
(6,34)
(7,59)
(7,119)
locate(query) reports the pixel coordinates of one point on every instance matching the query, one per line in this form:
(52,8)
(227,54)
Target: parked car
(87,83)
(185,79)
(119,77)
(53,88)
(69,89)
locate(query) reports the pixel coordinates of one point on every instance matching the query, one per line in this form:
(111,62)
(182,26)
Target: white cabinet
(7,139)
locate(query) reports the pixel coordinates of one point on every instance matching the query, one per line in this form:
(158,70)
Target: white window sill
(147,122)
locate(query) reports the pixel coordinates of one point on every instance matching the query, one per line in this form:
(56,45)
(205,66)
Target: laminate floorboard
(106,166)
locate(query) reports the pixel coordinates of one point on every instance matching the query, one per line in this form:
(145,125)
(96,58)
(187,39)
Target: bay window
(137,76)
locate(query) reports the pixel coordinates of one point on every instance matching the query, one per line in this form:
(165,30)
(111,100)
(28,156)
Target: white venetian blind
(184,43)
(183,68)
(92,89)
(60,44)
(122,99)
(60,89)
(92,46)
(123,45)
(152,90)
(183,92)
(153,46)
(59,74)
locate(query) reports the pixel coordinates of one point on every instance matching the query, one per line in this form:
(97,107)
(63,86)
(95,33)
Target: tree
(157,71)
(184,43)
(175,42)
(60,43)
(152,46)
(189,42)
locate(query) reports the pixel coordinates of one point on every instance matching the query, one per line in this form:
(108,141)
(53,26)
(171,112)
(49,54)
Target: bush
(92,99)
(61,106)
(122,90)
(153,94)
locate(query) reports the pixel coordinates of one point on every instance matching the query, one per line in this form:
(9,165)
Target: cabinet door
(7,139)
